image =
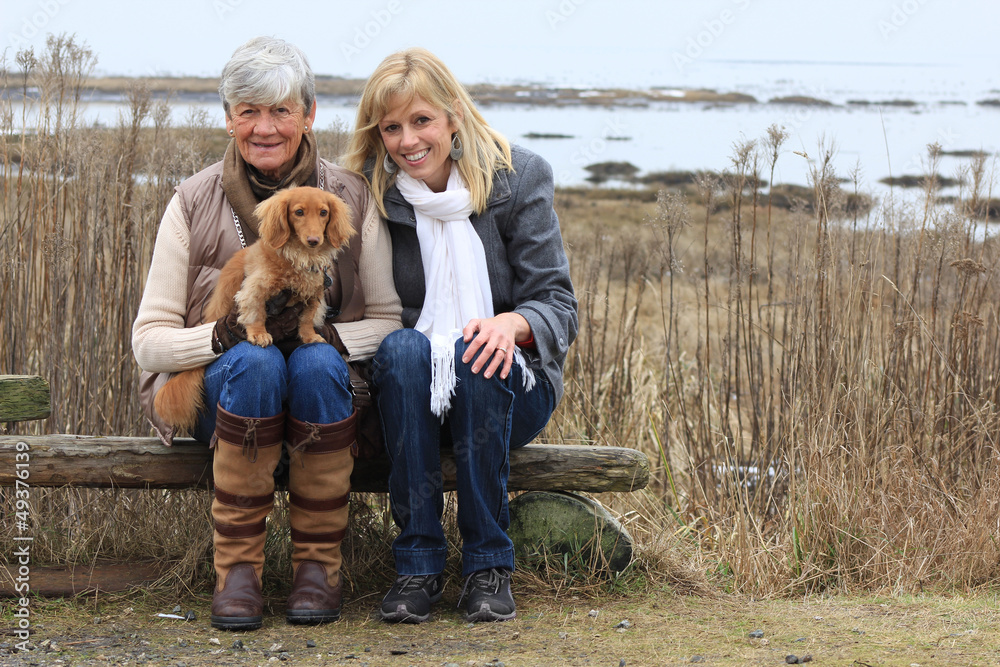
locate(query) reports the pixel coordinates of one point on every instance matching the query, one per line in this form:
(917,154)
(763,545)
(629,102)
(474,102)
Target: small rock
(515,635)
(563,635)
(215,640)
(276,648)
(795,660)
(626,624)
(310,643)
(177,609)
(190,616)
(398,651)
(621,663)
(283,655)
(451,664)
(238,643)
(593,613)
(756,634)
(182,642)
(697,658)
(97,620)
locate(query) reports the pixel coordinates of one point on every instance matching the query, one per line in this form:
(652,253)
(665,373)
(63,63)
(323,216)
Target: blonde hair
(397,80)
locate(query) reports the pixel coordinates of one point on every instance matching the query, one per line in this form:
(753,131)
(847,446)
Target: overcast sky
(581,42)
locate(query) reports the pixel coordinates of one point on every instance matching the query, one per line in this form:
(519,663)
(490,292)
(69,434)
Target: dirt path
(653,630)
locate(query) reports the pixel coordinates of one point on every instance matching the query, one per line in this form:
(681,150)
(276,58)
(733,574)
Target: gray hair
(267,70)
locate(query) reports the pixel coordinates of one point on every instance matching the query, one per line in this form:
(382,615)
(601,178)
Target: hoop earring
(457,150)
(389,166)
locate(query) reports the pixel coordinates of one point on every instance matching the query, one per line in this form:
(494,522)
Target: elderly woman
(260,396)
(488,311)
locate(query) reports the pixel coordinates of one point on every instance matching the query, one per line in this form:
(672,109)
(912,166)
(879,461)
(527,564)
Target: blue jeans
(252,381)
(488,418)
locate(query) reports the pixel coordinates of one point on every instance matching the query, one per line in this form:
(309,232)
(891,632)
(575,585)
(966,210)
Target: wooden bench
(144,463)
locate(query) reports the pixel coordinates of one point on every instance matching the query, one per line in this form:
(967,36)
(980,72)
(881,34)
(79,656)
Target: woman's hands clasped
(494,339)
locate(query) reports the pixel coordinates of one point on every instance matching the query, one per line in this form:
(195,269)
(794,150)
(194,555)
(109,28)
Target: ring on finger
(502,349)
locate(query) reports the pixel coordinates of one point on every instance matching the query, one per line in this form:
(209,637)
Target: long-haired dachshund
(302,230)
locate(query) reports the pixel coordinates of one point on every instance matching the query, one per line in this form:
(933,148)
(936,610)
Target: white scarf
(456,280)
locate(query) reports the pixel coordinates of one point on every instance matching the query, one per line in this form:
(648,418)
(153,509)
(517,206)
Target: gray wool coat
(527,265)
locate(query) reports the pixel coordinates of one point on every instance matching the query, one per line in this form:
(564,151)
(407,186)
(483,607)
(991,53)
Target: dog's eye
(323,213)
(299,212)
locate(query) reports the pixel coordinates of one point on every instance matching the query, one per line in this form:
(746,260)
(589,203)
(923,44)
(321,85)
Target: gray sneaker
(489,597)
(410,598)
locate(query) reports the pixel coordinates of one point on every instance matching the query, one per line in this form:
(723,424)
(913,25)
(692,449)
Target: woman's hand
(494,340)
(282,323)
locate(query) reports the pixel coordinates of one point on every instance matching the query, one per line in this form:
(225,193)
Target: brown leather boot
(321,459)
(247,451)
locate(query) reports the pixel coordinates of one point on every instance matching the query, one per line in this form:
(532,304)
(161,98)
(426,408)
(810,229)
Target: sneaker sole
(485,614)
(403,615)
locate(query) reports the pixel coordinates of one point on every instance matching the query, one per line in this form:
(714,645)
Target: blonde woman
(488,315)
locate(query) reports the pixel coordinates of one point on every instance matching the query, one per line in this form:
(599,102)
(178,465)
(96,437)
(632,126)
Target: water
(664,136)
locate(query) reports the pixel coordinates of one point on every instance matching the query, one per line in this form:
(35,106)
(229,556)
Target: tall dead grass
(817,390)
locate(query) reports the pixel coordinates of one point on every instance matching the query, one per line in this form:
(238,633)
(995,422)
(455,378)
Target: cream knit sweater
(162,344)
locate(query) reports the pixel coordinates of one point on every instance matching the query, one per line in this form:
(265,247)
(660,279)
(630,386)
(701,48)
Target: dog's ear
(338,228)
(273,216)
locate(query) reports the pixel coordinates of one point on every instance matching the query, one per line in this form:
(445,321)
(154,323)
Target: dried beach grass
(817,390)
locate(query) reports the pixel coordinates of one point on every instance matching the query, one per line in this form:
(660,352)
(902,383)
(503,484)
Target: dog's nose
(313,241)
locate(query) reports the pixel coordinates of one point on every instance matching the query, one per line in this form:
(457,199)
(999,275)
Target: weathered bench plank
(118,462)
(76,579)
(24,397)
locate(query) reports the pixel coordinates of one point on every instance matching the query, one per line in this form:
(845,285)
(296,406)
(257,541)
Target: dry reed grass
(817,389)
